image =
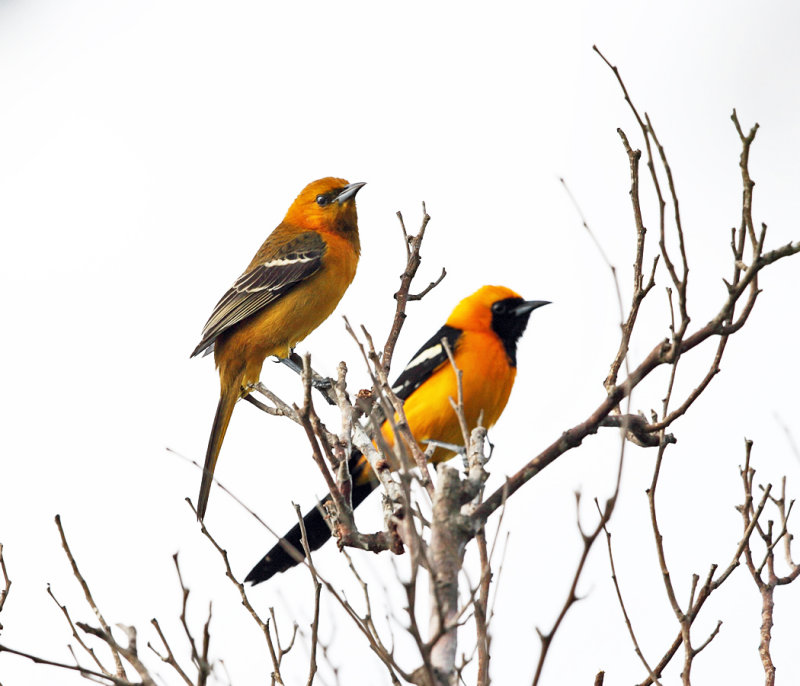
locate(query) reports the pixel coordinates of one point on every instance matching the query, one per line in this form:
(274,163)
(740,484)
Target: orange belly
(428,410)
(277,328)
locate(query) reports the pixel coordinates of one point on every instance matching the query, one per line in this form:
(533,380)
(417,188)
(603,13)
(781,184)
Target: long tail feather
(288,552)
(227,401)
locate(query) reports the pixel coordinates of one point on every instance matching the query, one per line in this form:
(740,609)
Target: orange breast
(487,383)
(277,328)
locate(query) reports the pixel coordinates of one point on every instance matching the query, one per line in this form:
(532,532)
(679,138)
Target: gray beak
(350,191)
(529,306)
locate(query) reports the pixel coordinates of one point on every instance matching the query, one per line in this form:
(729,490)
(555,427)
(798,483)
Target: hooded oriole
(293,283)
(482,331)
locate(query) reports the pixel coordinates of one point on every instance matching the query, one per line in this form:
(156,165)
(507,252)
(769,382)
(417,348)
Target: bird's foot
(322,383)
(452,447)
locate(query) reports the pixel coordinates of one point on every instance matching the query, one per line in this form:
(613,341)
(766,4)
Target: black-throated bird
(482,332)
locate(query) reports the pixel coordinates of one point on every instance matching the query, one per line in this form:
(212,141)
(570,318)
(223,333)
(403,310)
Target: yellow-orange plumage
(290,287)
(482,332)
(487,377)
(277,328)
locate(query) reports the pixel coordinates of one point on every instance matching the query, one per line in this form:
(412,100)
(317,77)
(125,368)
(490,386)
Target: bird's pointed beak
(529,306)
(349,191)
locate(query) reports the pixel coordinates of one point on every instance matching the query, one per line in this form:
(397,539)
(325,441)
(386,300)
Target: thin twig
(6,581)
(262,625)
(83,671)
(402,296)
(75,633)
(628,624)
(312,663)
(120,670)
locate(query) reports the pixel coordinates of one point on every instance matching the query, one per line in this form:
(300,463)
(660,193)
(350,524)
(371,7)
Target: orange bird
(482,332)
(293,283)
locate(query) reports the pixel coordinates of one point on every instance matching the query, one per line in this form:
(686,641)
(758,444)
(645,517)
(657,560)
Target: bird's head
(498,309)
(327,204)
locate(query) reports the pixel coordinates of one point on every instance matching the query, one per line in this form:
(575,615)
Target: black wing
(426,360)
(287,266)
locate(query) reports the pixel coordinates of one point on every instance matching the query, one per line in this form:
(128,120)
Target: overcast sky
(146,150)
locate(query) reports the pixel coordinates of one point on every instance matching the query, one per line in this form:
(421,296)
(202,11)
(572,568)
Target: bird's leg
(296,367)
(491,449)
(321,383)
(452,447)
(295,362)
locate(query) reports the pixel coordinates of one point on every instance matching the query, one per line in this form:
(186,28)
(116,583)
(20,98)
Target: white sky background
(146,150)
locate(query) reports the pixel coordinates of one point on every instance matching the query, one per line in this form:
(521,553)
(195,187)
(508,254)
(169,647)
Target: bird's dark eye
(322,200)
(499,307)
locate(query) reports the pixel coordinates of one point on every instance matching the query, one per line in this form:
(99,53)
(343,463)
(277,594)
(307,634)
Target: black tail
(279,559)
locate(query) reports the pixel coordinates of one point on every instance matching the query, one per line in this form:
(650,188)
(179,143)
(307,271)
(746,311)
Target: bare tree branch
(75,633)
(83,671)
(615,579)
(413,259)
(120,670)
(262,624)
(6,581)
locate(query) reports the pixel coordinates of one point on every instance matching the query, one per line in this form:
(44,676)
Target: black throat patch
(509,325)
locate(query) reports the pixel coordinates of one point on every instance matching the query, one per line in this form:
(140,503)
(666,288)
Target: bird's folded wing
(425,361)
(286,266)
